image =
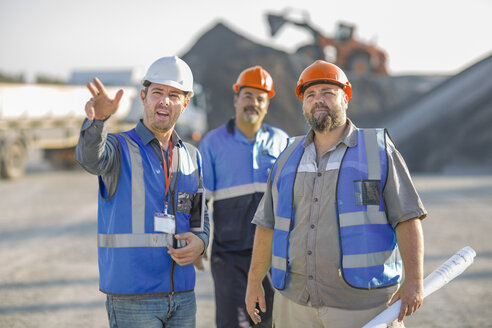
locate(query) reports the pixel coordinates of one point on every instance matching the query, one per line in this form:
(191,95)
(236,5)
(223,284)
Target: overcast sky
(54,37)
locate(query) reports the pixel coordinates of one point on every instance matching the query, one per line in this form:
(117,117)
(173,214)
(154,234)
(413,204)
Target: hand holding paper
(438,278)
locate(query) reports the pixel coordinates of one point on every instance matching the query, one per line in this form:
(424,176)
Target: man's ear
(345,101)
(185,104)
(142,95)
(345,98)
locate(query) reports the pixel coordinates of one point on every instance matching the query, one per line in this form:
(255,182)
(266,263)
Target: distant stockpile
(220,54)
(449,128)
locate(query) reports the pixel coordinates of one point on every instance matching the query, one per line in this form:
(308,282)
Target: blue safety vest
(369,256)
(133,257)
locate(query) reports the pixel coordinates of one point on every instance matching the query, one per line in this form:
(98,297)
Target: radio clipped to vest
(197,211)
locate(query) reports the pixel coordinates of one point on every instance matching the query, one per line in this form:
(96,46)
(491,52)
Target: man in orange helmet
(237,157)
(339,209)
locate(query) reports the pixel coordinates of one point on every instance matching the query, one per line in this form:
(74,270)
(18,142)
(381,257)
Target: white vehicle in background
(49,117)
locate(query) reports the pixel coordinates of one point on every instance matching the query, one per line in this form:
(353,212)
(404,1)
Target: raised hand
(101,106)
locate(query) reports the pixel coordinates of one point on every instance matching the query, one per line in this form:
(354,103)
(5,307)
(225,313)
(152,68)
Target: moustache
(251,108)
(318,106)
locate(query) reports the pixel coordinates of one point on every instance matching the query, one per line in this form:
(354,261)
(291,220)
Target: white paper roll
(438,278)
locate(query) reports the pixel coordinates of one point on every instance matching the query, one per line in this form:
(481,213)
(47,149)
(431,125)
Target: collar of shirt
(147,136)
(349,139)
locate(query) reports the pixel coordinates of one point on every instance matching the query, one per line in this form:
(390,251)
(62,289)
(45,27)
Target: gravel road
(48,254)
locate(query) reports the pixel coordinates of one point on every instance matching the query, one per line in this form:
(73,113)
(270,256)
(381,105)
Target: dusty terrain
(48,271)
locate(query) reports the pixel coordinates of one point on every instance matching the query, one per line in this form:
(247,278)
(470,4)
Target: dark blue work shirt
(235,172)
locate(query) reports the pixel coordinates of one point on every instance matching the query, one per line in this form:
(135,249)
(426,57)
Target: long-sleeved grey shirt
(98,152)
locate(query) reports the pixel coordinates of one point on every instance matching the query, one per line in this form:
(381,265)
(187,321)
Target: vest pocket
(367,192)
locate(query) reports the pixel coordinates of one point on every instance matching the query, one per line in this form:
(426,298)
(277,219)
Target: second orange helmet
(255,77)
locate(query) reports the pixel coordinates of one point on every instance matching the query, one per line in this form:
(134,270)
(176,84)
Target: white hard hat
(171,71)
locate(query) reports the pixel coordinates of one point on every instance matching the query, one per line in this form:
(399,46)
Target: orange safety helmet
(255,77)
(323,72)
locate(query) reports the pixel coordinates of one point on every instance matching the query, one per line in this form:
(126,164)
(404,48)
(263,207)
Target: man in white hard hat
(152,221)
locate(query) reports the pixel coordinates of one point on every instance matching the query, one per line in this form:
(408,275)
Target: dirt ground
(48,253)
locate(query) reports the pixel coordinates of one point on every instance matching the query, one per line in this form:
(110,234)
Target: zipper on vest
(340,251)
(173,264)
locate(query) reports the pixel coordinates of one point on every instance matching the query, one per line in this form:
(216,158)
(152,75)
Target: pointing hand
(101,106)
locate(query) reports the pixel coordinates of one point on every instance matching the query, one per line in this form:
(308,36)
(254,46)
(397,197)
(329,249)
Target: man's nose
(319,98)
(255,102)
(165,100)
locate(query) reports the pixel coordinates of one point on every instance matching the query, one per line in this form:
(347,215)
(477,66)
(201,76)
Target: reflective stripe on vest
(138,187)
(286,165)
(123,240)
(237,191)
(367,265)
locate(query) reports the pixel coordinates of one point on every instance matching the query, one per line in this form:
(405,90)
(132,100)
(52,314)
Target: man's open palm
(101,106)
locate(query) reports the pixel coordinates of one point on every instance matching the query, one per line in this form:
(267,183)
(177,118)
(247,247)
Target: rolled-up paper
(438,278)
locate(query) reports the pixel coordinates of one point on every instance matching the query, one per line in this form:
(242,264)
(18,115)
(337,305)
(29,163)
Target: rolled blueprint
(438,278)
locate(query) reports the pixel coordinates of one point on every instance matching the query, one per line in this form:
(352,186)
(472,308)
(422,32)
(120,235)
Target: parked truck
(49,118)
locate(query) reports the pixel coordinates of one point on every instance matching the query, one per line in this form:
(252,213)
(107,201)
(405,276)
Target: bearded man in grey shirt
(340,222)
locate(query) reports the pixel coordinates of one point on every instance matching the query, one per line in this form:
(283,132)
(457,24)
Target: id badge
(164,222)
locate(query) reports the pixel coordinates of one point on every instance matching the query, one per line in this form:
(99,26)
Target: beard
(250,114)
(326,120)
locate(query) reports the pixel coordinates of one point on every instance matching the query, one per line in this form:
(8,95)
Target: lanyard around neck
(167,173)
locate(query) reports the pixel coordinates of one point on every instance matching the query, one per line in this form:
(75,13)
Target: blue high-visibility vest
(369,256)
(133,257)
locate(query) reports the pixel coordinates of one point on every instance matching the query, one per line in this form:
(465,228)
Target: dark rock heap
(462,139)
